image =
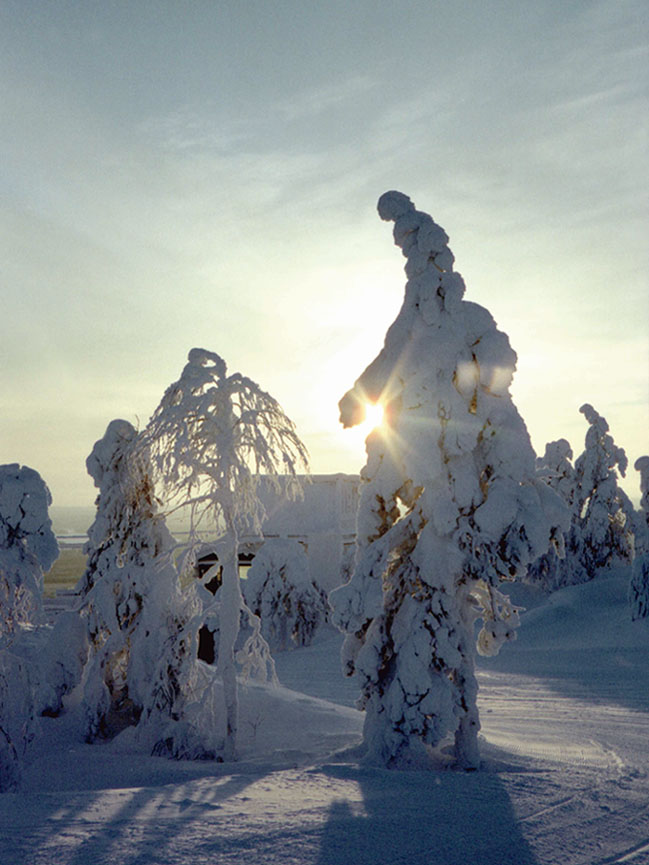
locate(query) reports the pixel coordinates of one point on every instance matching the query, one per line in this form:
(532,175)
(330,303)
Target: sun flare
(373,417)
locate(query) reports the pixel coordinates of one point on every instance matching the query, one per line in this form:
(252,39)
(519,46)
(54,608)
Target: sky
(206,174)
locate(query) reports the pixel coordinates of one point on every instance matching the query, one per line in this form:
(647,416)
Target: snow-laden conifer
(130,593)
(604,515)
(280,591)
(555,569)
(602,519)
(450,506)
(639,588)
(27,549)
(210,439)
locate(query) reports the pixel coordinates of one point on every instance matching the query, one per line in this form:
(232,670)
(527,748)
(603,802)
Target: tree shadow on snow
(423,818)
(128,825)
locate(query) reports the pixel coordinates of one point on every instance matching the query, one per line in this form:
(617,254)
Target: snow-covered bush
(281,592)
(639,588)
(604,513)
(27,549)
(450,506)
(209,440)
(129,589)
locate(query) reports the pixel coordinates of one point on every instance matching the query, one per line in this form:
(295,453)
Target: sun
(373,417)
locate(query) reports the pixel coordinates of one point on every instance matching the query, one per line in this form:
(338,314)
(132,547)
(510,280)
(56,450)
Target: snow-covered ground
(565,723)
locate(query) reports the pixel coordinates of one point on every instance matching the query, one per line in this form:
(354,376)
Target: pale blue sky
(206,174)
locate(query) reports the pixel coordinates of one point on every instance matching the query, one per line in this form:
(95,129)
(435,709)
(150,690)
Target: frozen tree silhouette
(450,506)
(210,439)
(639,588)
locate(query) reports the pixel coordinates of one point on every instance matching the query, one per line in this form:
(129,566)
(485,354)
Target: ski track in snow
(565,779)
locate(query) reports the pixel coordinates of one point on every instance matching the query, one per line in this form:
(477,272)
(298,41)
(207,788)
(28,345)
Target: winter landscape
(183,710)
(565,724)
(324,506)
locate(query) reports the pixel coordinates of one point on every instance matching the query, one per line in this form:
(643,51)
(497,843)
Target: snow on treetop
(24,500)
(213,435)
(598,432)
(460,338)
(201,357)
(102,456)
(642,465)
(556,452)
(593,417)
(418,235)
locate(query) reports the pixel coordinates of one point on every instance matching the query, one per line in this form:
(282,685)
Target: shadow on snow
(423,818)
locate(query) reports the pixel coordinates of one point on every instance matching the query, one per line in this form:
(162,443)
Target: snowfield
(564,741)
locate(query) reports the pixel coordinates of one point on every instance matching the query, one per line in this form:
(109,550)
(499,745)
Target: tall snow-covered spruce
(130,593)
(211,438)
(450,506)
(604,515)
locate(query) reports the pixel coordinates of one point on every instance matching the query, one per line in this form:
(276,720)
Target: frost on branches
(639,588)
(450,506)
(27,549)
(130,589)
(279,590)
(210,439)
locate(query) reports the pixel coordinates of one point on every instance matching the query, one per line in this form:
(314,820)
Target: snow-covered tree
(639,588)
(604,515)
(210,439)
(551,571)
(130,587)
(281,592)
(602,519)
(27,549)
(450,506)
